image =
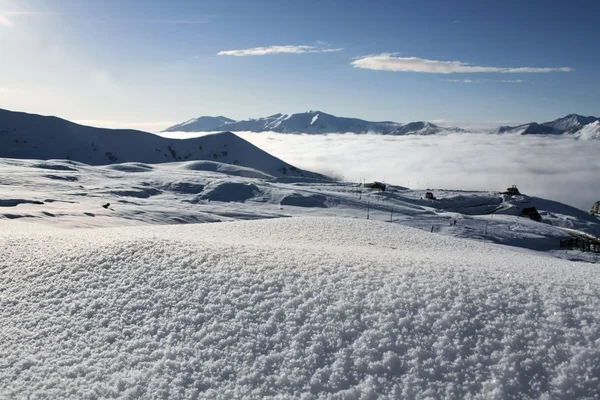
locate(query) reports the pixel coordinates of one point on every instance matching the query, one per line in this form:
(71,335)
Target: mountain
(422,128)
(30,136)
(205,124)
(573,124)
(570,123)
(318,122)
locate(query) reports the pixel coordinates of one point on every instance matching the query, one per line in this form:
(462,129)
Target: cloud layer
(262,51)
(389,62)
(540,166)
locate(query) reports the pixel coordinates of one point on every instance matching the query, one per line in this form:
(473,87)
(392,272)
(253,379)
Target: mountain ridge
(32,136)
(579,126)
(316,122)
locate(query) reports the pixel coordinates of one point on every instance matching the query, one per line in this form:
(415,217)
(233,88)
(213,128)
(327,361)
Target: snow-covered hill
(318,122)
(312,308)
(576,125)
(29,136)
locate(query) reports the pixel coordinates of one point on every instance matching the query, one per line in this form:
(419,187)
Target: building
(429,196)
(595,208)
(375,185)
(512,191)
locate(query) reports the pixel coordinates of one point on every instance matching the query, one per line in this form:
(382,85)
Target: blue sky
(151,63)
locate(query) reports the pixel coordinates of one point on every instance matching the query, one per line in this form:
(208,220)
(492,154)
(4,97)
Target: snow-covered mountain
(589,132)
(318,122)
(207,124)
(570,123)
(573,124)
(30,136)
(422,128)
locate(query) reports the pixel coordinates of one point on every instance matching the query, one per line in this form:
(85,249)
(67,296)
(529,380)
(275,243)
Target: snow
(28,136)
(290,308)
(589,132)
(116,282)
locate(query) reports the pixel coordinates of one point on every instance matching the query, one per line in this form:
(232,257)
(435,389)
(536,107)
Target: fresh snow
(290,308)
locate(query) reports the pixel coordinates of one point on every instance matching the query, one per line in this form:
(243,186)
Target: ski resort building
(512,191)
(375,185)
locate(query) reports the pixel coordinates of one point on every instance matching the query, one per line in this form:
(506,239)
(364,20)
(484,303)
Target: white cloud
(389,62)
(485,80)
(454,161)
(261,51)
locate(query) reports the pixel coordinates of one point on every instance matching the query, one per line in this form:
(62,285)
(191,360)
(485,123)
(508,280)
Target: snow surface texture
(290,308)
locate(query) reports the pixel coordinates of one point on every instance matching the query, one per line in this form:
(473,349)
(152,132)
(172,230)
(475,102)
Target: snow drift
(290,308)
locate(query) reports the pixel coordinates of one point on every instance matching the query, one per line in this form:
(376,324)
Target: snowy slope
(68,194)
(589,132)
(318,122)
(290,308)
(201,124)
(29,136)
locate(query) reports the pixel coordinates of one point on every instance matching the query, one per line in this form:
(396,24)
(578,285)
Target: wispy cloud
(262,51)
(485,80)
(390,62)
(178,21)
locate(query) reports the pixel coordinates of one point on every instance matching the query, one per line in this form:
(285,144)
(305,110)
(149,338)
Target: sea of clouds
(555,167)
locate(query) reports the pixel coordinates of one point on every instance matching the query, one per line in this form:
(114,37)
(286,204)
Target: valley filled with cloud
(555,167)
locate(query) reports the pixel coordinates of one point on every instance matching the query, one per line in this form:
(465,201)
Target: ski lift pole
(485,233)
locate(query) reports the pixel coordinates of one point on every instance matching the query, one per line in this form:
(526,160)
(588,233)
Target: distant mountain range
(311,122)
(31,136)
(585,128)
(318,122)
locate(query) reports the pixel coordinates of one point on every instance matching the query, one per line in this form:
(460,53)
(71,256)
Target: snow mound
(138,192)
(299,200)
(229,191)
(290,308)
(131,167)
(223,168)
(56,166)
(184,187)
